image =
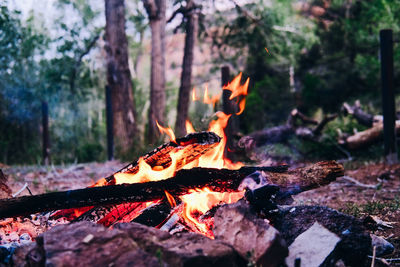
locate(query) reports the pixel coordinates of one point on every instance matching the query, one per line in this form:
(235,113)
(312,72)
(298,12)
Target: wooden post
(388,103)
(109,123)
(45,133)
(228,107)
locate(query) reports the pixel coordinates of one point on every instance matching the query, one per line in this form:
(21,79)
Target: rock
(254,238)
(69,245)
(383,247)
(355,243)
(182,249)
(312,247)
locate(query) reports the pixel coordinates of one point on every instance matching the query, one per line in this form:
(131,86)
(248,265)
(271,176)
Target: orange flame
(266,49)
(194,96)
(189,127)
(170,199)
(199,201)
(202,200)
(167,131)
(213,100)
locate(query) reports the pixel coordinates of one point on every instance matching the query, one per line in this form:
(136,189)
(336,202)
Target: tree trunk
(156,12)
(119,76)
(186,76)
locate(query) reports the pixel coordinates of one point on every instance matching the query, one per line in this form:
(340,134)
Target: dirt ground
(367,189)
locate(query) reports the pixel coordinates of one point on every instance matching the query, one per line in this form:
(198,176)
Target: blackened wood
(45,127)
(154,215)
(219,180)
(216,179)
(388,103)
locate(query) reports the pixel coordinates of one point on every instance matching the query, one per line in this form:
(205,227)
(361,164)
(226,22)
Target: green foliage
(371,207)
(344,63)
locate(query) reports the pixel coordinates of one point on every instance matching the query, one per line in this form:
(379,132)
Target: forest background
(319,54)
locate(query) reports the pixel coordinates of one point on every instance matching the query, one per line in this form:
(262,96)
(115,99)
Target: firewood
(219,180)
(194,145)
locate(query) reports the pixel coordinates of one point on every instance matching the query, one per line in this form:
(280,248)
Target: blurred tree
(190,11)
(119,77)
(156,13)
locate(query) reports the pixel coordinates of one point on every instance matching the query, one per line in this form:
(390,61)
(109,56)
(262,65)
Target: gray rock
(383,247)
(84,244)
(312,247)
(182,249)
(254,238)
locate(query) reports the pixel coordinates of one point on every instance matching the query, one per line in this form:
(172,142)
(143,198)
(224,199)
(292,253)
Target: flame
(189,127)
(170,199)
(167,131)
(201,201)
(213,100)
(146,173)
(236,88)
(194,97)
(266,49)
(197,202)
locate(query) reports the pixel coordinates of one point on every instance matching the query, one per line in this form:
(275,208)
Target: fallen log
(282,133)
(219,180)
(369,136)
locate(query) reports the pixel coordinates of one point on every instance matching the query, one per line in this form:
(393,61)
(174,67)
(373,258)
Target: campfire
(181,186)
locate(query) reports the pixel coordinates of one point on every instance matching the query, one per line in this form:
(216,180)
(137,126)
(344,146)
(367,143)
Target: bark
(156,13)
(186,77)
(361,116)
(219,180)
(119,76)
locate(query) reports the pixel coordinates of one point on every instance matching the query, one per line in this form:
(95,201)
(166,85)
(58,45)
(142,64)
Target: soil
(367,189)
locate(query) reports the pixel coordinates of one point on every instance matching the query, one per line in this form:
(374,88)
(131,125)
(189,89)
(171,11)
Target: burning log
(192,147)
(218,180)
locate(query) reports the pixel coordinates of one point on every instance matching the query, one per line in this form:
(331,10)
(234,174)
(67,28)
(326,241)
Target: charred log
(219,180)
(154,215)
